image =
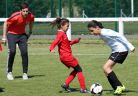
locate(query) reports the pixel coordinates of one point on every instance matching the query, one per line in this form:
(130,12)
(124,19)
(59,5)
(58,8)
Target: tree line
(73,8)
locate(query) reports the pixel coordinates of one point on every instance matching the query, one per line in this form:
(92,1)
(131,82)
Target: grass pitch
(47,73)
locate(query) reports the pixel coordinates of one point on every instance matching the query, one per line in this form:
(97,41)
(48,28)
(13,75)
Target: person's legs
(12,51)
(117,57)
(80,76)
(65,86)
(11,54)
(24,52)
(111,76)
(70,77)
(77,70)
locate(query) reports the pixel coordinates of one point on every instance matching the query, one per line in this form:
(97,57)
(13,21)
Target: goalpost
(120,21)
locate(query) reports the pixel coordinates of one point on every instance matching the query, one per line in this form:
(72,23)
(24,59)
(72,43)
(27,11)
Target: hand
(52,51)
(4,41)
(133,50)
(28,35)
(79,39)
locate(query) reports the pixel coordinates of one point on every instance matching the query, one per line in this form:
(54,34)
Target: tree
(2,8)
(92,8)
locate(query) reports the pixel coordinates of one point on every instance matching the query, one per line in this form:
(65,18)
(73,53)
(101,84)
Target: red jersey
(16,23)
(63,43)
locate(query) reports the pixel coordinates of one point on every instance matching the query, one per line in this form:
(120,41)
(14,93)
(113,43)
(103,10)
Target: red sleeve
(0,47)
(12,20)
(74,41)
(32,18)
(56,41)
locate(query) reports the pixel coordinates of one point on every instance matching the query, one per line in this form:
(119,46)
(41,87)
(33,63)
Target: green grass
(47,73)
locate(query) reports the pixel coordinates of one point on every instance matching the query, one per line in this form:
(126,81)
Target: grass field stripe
(58,54)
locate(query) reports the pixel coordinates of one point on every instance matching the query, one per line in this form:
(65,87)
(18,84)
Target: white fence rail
(120,21)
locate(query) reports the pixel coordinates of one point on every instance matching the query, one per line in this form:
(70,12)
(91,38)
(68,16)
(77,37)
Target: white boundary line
(73,54)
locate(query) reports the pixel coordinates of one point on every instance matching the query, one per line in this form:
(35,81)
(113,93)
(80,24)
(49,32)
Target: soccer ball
(96,88)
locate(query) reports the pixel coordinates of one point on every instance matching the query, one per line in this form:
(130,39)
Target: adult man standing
(14,33)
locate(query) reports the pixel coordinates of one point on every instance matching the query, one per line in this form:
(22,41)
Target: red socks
(70,77)
(80,78)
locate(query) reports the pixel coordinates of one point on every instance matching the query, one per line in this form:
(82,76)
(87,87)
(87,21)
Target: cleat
(10,76)
(25,76)
(84,91)
(118,90)
(66,88)
(123,88)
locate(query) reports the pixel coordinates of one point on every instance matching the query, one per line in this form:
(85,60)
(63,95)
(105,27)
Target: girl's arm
(75,41)
(56,41)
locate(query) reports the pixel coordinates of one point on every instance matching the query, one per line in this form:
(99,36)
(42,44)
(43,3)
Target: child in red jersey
(65,54)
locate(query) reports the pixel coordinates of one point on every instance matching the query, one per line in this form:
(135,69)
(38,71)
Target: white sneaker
(25,76)
(10,76)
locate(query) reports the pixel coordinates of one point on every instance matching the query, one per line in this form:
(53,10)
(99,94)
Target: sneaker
(118,90)
(25,76)
(84,91)
(66,88)
(10,76)
(123,88)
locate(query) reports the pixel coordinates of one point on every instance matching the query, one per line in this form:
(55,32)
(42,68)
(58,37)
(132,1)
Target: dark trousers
(21,40)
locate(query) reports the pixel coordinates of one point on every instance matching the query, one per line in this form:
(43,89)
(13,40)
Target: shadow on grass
(30,76)
(72,90)
(1,89)
(133,91)
(124,93)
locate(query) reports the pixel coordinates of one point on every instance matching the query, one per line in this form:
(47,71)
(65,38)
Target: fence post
(121,26)
(69,32)
(60,8)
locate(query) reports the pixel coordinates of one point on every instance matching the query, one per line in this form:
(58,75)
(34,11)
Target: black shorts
(118,57)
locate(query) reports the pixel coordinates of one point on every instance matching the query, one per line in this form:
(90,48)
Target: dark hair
(24,5)
(59,21)
(94,23)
